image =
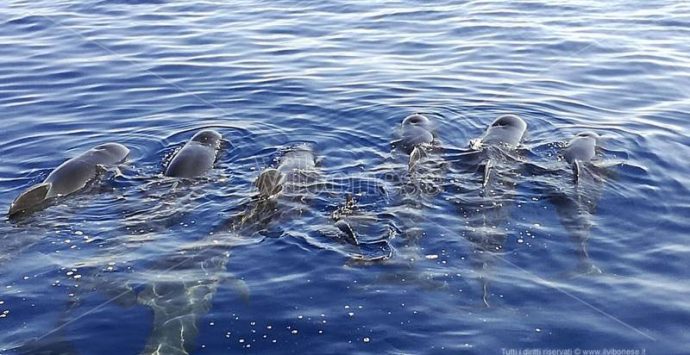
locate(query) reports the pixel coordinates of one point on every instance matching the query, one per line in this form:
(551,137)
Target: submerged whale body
(197,157)
(70,177)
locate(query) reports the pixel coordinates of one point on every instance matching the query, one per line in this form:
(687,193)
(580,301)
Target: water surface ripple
(92,274)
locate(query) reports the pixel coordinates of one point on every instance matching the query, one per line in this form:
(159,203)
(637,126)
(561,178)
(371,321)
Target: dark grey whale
(581,149)
(71,176)
(506,130)
(493,154)
(417,135)
(410,194)
(197,157)
(576,205)
(502,137)
(297,165)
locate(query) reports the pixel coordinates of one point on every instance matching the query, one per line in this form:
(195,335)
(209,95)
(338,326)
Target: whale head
(209,138)
(416,130)
(512,121)
(588,134)
(507,130)
(112,152)
(417,119)
(582,147)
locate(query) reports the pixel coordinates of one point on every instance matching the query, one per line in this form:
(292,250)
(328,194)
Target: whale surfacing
(416,136)
(576,206)
(492,155)
(581,149)
(197,157)
(506,130)
(70,177)
(296,164)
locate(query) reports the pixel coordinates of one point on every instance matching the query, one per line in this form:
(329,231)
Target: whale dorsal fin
(349,234)
(30,198)
(487,172)
(415,156)
(269,182)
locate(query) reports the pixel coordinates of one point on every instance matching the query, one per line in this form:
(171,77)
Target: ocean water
(126,265)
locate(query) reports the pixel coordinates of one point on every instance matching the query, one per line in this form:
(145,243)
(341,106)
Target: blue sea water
(341,75)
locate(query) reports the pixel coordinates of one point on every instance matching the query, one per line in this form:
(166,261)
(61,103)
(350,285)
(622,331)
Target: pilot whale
(413,179)
(191,276)
(295,167)
(184,293)
(492,154)
(577,204)
(502,137)
(417,135)
(284,188)
(196,158)
(421,182)
(70,177)
(580,150)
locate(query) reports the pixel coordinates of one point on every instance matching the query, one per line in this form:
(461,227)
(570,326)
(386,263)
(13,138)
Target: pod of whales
(70,177)
(197,157)
(176,323)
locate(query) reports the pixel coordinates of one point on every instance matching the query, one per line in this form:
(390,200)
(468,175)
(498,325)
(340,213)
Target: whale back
(193,160)
(269,182)
(298,158)
(296,167)
(108,154)
(71,176)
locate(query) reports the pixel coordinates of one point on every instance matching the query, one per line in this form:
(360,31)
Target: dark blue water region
(138,261)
